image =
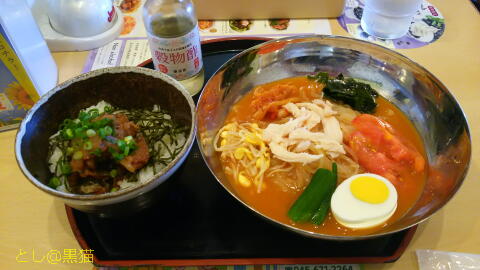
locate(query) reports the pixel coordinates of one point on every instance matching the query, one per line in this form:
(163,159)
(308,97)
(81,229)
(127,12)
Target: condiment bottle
(174,41)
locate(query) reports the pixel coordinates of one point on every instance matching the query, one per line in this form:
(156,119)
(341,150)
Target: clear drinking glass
(388,19)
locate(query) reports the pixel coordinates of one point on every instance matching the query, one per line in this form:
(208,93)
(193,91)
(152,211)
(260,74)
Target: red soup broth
(275,203)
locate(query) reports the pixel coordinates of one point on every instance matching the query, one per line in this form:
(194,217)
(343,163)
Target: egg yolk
(369,189)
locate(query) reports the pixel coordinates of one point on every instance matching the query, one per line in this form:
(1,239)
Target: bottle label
(179,57)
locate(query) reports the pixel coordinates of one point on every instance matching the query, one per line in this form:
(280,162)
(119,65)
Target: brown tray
(198,223)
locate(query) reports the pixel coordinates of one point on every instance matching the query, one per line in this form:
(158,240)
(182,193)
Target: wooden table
(34,222)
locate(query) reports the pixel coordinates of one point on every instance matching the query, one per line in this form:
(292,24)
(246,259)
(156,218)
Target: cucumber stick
(320,186)
(322,211)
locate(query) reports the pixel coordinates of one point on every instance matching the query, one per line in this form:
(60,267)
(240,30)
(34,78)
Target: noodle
(250,160)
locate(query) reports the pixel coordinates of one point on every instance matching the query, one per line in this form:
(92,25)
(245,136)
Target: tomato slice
(372,160)
(379,150)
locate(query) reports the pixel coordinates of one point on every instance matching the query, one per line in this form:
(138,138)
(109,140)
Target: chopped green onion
(87,145)
(128,139)
(108,109)
(96,124)
(132,145)
(101,123)
(83,116)
(115,154)
(79,133)
(121,144)
(67,122)
(54,182)
(91,132)
(108,130)
(113,173)
(69,133)
(70,151)
(102,133)
(65,168)
(126,151)
(93,113)
(114,189)
(78,155)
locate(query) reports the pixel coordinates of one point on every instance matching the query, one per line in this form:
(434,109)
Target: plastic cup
(388,19)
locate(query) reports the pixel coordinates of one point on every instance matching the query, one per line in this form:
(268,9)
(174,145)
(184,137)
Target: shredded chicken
(282,153)
(311,133)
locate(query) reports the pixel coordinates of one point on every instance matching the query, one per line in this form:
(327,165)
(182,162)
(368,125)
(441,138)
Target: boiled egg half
(364,201)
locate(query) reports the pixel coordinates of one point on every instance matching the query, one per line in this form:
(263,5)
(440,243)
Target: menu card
(131,47)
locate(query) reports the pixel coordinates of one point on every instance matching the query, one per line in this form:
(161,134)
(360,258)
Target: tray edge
(239,261)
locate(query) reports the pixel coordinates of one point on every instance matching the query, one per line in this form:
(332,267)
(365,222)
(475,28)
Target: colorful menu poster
(131,48)
(17,93)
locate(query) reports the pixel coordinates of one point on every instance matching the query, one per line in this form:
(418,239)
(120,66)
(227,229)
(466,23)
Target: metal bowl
(415,91)
(125,87)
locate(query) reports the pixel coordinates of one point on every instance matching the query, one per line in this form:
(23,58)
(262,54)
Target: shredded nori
(154,126)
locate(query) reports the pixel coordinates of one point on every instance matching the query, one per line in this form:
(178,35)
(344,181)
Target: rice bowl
(129,88)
